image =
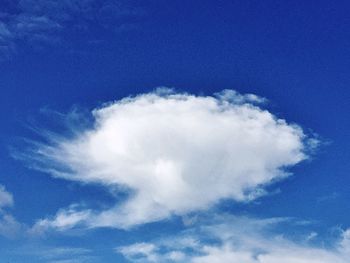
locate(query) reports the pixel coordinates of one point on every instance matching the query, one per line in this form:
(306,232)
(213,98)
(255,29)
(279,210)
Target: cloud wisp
(9,226)
(36,23)
(236,239)
(172,153)
(6,199)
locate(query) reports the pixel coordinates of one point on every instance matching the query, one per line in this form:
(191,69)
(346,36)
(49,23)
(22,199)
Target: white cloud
(9,227)
(6,198)
(149,252)
(237,240)
(146,251)
(174,154)
(228,253)
(64,219)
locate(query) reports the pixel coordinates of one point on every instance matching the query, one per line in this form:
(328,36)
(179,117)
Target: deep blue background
(295,53)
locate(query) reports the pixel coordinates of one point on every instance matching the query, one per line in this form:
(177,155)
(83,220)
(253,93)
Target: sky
(174,131)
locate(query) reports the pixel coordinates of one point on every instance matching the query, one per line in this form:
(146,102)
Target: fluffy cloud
(174,154)
(236,240)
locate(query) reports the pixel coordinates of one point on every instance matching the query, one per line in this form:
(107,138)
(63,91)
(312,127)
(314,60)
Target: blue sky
(174,131)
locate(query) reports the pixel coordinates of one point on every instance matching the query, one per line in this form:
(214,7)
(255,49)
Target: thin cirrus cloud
(36,23)
(237,239)
(59,254)
(173,154)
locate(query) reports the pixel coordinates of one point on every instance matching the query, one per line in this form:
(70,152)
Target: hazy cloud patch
(9,227)
(38,23)
(236,239)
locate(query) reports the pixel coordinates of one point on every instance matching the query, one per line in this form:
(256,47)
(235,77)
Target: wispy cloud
(147,251)
(64,219)
(172,154)
(6,199)
(41,22)
(57,254)
(236,239)
(9,227)
(329,197)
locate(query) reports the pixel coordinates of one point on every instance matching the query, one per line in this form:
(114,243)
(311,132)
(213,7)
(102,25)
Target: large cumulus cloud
(175,153)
